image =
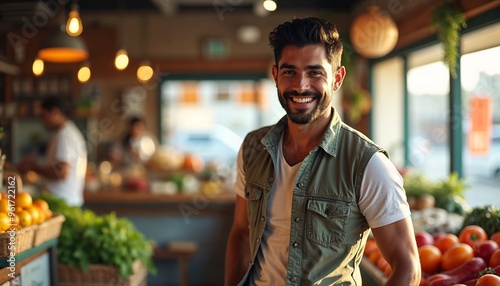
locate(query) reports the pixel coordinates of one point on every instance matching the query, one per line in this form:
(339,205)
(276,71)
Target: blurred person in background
(66,156)
(136,147)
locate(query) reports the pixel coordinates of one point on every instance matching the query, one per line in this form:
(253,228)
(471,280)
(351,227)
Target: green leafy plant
(449,20)
(87,238)
(449,193)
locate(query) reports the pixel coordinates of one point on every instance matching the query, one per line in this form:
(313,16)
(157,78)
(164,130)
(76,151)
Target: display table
(25,258)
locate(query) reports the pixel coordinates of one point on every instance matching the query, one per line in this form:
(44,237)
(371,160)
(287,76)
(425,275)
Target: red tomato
(472,234)
(494,259)
(445,241)
(430,258)
(496,237)
(488,280)
(456,255)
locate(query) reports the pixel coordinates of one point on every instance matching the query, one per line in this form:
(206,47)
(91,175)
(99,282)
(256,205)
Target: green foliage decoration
(449,20)
(87,238)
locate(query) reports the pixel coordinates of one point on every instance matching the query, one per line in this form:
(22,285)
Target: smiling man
(310,188)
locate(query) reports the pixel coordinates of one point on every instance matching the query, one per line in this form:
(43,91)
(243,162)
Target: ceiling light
(144,72)
(84,73)
(270,5)
(74,26)
(63,48)
(249,34)
(121,59)
(38,67)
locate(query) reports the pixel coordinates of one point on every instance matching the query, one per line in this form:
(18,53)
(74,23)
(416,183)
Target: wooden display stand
(24,258)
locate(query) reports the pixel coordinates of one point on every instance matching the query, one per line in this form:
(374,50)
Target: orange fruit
(430,258)
(456,255)
(446,241)
(35,214)
(488,280)
(42,213)
(4,206)
(494,259)
(48,214)
(14,221)
(374,256)
(4,222)
(42,204)
(23,200)
(24,219)
(370,246)
(496,237)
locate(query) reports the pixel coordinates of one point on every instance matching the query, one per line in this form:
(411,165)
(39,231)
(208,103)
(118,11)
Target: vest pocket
(252,195)
(327,221)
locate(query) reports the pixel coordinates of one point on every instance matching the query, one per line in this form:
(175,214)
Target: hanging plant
(449,20)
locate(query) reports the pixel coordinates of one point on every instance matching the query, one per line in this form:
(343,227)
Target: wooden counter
(202,220)
(129,202)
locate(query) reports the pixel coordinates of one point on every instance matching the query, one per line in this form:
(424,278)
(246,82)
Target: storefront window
(210,117)
(428,95)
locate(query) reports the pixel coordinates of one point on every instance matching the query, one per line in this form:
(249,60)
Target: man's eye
(288,72)
(315,73)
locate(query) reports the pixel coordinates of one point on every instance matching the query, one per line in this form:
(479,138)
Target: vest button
(262,218)
(300,185)
(297,219)
(294,279)
(271,180)
(257,240)
(295,244)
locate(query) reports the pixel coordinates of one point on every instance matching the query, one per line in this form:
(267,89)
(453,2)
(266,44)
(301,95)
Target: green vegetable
(487,217)
(87,238)
(448,192)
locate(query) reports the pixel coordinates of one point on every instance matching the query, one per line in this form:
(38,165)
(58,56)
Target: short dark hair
(307,31)
(60,103)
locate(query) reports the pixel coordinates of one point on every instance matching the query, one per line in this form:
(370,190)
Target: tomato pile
(470,258)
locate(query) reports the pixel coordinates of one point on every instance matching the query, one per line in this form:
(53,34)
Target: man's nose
(301,83)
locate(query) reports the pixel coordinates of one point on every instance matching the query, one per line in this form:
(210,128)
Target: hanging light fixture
(144,72)
(84,73)
(63,48)
(269,5)
(74,26)
(121,59)
(373,33)
(37,67)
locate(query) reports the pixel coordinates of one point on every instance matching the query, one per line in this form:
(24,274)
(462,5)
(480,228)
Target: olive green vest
(328,232)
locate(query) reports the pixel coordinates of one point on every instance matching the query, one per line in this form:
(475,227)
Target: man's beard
(303,116)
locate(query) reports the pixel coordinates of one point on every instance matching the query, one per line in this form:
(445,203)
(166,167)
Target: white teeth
(302,99)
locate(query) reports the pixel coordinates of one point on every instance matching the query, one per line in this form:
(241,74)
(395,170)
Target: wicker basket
(101,275)
(21,239)
(49,229)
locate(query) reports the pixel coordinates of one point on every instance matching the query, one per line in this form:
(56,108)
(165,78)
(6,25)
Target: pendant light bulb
(38,67)
(84,73)
(270,5)
(121,59)
(74,26)
(144,72)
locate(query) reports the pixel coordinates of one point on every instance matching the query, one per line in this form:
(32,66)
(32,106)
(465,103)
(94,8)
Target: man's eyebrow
(310,67)
(287,66)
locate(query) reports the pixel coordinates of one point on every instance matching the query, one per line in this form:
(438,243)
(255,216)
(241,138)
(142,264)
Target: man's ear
(339,78)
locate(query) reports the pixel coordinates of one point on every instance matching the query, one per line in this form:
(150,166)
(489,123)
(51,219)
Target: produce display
(470,258)
(23,211)
(87,238)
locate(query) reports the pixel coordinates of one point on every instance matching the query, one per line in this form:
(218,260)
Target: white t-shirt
(381,183)
(67,145)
